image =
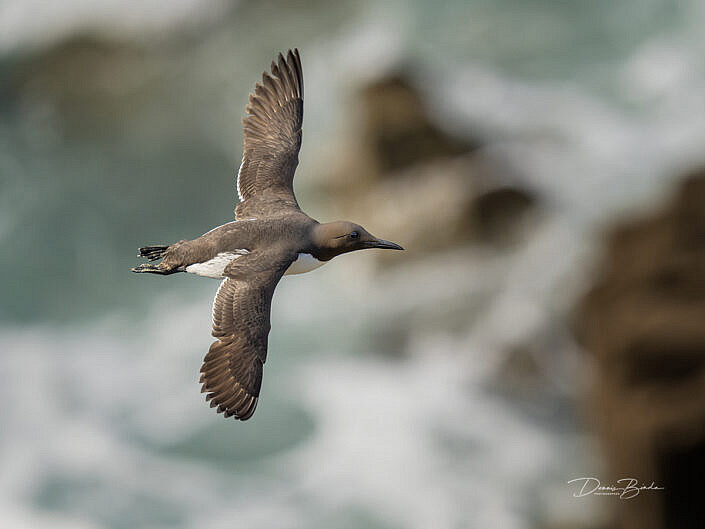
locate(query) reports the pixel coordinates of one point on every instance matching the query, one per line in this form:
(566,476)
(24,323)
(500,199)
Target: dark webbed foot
(154,269)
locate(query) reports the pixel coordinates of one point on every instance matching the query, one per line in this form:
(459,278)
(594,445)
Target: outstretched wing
(272,131)
(232,369)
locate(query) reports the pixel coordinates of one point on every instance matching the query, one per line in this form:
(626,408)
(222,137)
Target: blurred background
(541,161)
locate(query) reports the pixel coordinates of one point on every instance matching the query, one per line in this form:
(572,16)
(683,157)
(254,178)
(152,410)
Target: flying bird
(270,237)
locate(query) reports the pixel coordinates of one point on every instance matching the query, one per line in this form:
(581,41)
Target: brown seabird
(271,237)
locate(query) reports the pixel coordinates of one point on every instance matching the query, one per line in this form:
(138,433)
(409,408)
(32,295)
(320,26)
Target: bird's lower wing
(232,369)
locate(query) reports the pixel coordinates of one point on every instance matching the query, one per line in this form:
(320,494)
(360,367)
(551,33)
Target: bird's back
(286,234)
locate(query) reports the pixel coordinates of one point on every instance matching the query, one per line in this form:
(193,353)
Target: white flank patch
(305,262)
(214,268)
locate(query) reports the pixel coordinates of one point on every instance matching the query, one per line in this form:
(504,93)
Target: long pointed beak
(387,245)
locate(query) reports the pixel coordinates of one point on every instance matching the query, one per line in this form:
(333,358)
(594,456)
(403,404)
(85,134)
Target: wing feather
(272,131)
(232,369)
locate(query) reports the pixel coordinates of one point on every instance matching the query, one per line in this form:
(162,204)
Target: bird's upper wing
(232,369)
(272,131)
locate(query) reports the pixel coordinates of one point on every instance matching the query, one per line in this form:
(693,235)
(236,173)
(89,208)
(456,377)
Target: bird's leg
(155,269)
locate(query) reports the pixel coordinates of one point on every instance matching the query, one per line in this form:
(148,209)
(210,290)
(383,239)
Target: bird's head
(335,238)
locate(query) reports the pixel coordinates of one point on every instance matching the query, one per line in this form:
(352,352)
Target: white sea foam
(107,406)
(42,22)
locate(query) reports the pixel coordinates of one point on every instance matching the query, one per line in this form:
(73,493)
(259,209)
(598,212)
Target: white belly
(215,267)
(304,263)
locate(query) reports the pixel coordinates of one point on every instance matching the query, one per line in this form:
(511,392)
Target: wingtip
(250,410)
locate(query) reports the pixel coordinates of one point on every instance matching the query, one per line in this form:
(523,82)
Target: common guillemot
(271,237)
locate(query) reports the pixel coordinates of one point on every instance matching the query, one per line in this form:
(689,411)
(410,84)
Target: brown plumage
(272,133)
(232,369)
(271,237)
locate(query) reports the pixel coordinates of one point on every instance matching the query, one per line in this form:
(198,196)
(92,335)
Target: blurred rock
(396,128)
(494,212)
(644,322)
(85,81)
(427,189)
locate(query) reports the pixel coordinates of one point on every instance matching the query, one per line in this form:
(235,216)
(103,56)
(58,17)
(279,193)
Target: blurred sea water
(374,412)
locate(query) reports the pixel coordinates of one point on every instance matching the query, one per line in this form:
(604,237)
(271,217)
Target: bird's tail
(153,253)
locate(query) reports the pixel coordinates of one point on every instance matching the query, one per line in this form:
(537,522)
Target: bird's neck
(321,236)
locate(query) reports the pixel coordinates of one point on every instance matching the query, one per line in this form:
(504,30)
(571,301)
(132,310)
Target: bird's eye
(354,235)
